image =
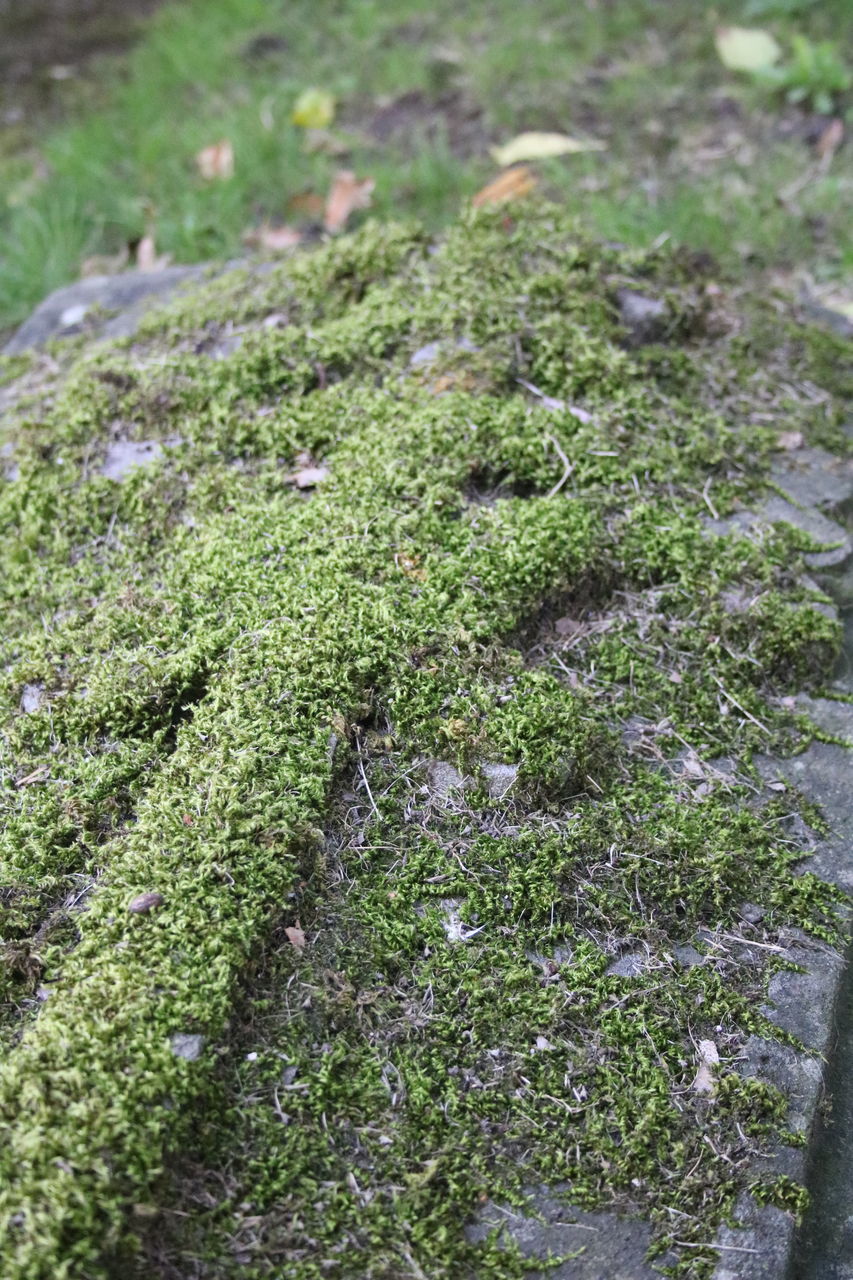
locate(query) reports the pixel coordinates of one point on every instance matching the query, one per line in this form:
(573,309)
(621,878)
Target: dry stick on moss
(568,468)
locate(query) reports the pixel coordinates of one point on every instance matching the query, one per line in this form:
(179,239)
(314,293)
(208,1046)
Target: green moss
(234,690)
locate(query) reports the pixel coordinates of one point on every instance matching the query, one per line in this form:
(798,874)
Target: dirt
(417,117)
(44,43)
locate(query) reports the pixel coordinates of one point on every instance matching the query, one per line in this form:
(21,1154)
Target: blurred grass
(693,151)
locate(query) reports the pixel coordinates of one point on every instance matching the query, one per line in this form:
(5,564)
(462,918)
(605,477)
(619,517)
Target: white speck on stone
(73,315)
(186,1045)
(32,697)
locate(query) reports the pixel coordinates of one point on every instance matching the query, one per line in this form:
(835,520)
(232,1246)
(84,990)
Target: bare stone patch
(600,1246)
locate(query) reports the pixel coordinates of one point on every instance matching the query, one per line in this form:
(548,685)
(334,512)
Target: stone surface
(759,1248)
(186,1045)
(645,319)
(499,778)
(123,455)
(604,1246)
(444,778)
(32,697)
(823,773)
(63,312)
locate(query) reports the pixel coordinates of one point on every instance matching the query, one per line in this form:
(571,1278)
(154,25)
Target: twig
(743,710)
(364,778)
(569,468)
(729,1248)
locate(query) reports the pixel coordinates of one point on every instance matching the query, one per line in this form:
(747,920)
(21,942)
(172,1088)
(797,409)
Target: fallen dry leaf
(790,440)
(216,161)
(308,477)
(746,48)
(313,109)
(539,146)
(830,139)
(275,239)
(322,142)
(511,185)
(709,1058)
(307,204)
(347,194)
(296,937)
(144,903)
(567,626)
(105,264)
(147,257)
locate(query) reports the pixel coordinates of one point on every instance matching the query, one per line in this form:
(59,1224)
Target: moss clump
(202,661)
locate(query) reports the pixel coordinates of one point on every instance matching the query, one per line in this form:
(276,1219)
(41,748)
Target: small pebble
(145,902)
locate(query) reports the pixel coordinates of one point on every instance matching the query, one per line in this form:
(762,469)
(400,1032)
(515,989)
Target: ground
(694,152)
(377,755)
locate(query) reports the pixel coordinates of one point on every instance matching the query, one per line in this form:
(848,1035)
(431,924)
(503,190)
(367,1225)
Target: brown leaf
(347,194)
(790,440)
(145,902)
(296,937)
(830,139)
(308,477)
(275,239)
(147,257)
(510,185)
(567,626)
(216,161)
(306,204)
(104,264)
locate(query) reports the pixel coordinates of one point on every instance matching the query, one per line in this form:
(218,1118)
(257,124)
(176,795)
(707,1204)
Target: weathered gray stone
(499,778)
(802,1002)
(631,965)
(123,455)
(430,352)
(602,1246)
(130,293)
(833,717)
(759,1247)
(796,1074)
(186,1045)
(645,319)
(445,778)
(823,773)
(814,478)
(32,698)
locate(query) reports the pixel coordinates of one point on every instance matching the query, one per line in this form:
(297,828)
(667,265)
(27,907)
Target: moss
(212,662)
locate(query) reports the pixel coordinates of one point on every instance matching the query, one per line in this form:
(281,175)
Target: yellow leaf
(313,109)
(538,146)
(746,48)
